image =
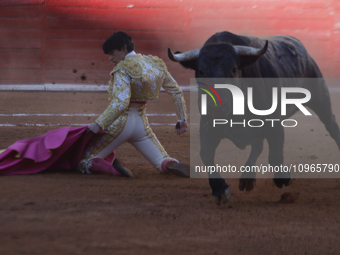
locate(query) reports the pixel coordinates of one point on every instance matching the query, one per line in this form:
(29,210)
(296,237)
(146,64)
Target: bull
(227,55)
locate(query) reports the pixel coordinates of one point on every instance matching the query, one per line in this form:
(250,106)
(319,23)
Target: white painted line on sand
(70,114)
(63,87)
(58,124)
(47,114)
(84,87)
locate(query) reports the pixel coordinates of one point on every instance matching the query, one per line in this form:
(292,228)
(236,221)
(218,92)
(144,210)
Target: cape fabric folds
(59,149)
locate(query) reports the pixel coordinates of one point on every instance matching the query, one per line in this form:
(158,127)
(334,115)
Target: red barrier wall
(59,41)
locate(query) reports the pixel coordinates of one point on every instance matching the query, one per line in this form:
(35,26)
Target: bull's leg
(324,111)
(276,142)
(209,143)
(320,103)
(248,180)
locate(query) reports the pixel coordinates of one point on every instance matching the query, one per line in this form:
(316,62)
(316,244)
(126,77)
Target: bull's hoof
(279,182)
(246,183)
(223,198)
(282,178)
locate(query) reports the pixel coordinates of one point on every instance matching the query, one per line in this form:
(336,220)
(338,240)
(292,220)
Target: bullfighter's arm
(121,93)
(172,88)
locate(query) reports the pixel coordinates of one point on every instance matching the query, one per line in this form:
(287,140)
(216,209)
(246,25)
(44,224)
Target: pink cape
(57,149)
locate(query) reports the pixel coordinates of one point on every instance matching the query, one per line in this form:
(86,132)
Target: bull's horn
(185,56)
(250,51)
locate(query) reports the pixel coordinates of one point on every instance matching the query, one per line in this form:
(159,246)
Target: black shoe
(121,170)
(179,169)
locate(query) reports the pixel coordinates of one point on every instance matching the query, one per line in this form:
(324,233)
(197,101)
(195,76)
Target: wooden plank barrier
(59,41)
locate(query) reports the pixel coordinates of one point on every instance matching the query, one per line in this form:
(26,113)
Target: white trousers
(138,133)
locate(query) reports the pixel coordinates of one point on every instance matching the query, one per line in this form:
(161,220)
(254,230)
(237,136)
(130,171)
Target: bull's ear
(247,61)
(191,64)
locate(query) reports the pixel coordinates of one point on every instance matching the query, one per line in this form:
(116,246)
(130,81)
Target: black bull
(226,55)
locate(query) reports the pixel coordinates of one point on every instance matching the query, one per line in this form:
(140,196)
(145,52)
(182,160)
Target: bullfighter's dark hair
(117,41)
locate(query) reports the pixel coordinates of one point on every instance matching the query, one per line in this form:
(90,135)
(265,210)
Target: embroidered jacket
(139,78)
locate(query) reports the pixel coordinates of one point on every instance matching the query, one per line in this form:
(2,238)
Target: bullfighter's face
(117,55)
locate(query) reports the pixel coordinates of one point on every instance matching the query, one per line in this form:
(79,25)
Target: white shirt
(131,53)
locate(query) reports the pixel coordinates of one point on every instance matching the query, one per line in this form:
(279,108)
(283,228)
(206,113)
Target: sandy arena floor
(71,213)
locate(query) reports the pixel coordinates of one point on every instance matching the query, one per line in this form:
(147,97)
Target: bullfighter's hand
(181,127)
(94,128)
